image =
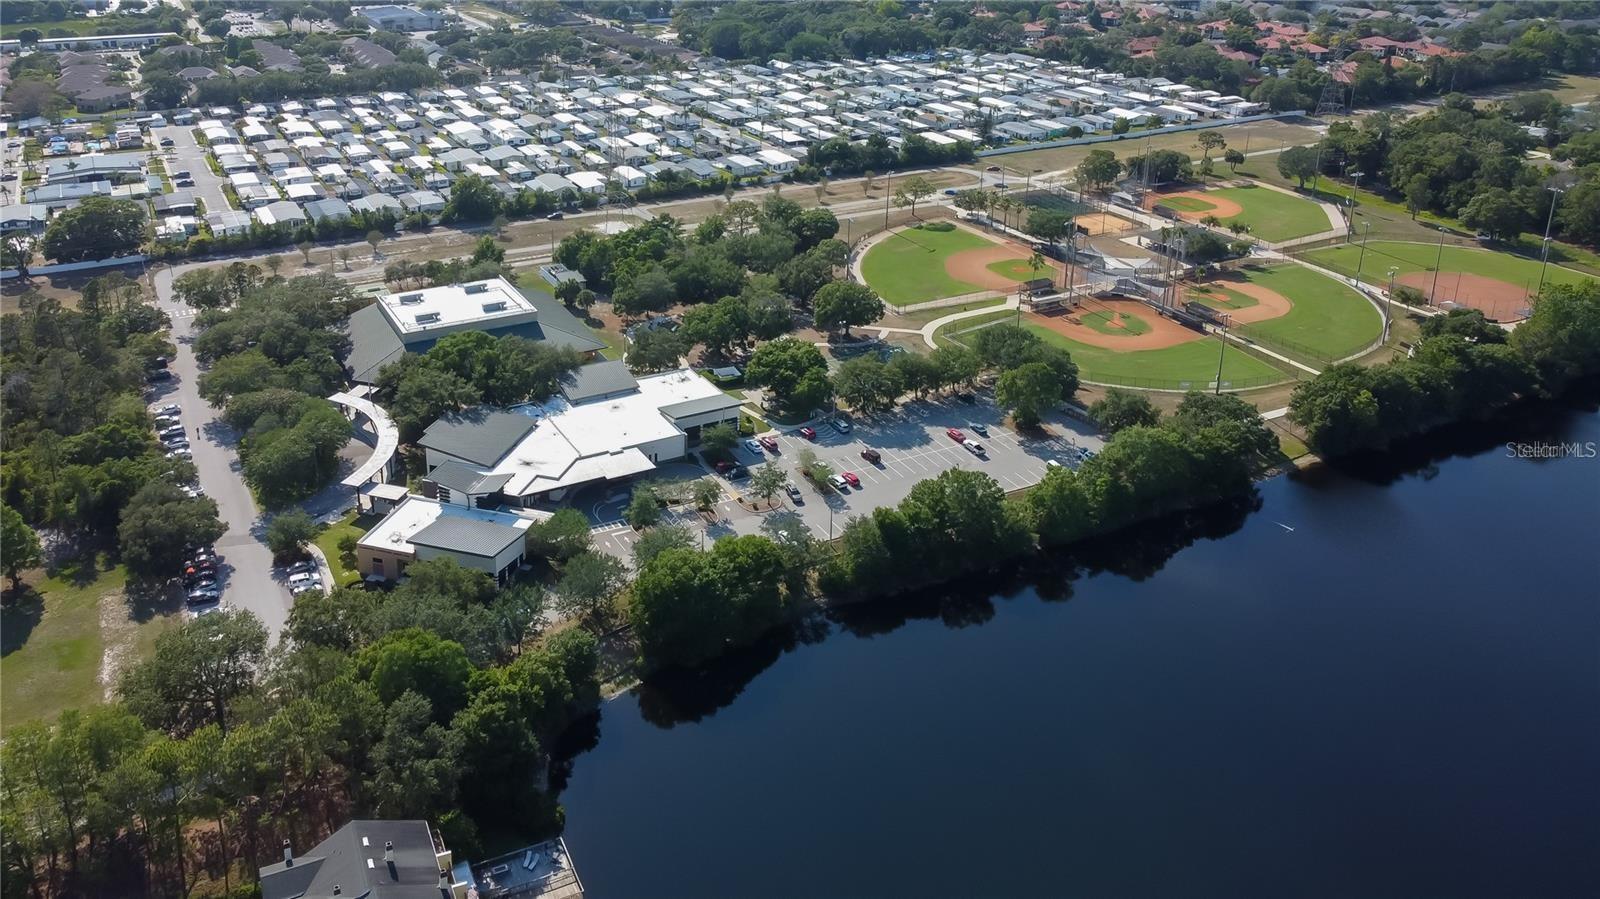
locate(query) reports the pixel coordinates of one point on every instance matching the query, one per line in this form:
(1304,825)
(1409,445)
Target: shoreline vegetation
(690,607)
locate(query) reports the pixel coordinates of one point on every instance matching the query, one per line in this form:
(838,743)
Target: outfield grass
(1274,216)
(1329,319)
(54,641)
(1383,255)
(1192,364)
(908,267)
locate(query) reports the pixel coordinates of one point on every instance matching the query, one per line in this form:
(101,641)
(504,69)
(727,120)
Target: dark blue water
(1400,697)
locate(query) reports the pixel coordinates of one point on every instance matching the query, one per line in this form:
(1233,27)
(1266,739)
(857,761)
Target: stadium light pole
(1221,352)
(1544,263)
(1350,206)
(1434,287)
(1362,259)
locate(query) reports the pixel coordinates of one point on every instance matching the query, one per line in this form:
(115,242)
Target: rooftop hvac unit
(497,306)
(411,299)
(427,318)
(477,287)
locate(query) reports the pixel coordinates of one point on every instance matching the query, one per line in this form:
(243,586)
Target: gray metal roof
(460,477)
(468,536)
(342,859)
(700,406)
(482,436)
(373,344)
(597,380)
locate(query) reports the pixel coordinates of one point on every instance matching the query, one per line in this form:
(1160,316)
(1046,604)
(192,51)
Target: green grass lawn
(54,640)
(923,316)
(909,266)
(1188,204)
(1130,326)
(1274,216)
(1018,269)
(1383,255)
(344,570)
(1220,297)
(1328,318)
(957,330)
(1194,362)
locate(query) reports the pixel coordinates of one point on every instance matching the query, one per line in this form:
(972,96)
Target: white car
(753,445)
(838,482)
(974,447)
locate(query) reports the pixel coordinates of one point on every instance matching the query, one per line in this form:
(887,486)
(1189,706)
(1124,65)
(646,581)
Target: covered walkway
(380,465)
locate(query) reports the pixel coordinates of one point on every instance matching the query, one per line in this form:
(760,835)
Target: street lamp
(1389,297)
(1221,352)
(1544,263)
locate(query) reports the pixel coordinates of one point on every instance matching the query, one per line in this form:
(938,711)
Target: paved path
(248,579)
(936,324)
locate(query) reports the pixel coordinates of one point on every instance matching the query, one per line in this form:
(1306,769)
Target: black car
(159,374)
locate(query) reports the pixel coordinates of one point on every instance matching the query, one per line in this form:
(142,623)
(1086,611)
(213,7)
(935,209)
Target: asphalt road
(191,157)
(247,576)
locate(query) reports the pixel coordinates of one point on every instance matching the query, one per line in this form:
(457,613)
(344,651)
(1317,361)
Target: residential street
(248,579)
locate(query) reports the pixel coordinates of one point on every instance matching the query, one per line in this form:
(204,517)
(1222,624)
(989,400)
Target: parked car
(302,579)
(159,374)
(168,409)
(769,443)
(980,430)
(794,493)
(1051,463)
(871,455)
(183,453)
(955,434)
(992,168)
(554,217)
(303,589)
(183,182)
(304,566)
(171,431)
(842,425)
(838,482)
(183,173)
(175,443)
(975,447)
(851,477)
(204,594)
(168,142)
(808,433)
(753,445)
(737,472)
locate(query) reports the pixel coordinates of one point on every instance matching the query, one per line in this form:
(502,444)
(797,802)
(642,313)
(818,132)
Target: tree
(374,238)
(304,247)
(652,290)
(1497,213)
(418,661)
(706,493)
(1469,324)
(845,304)
(912,191)
(588,582)
(19,545)
(793,372)
(656,541)
(1337,410)
(1049,225)
(16,251)
(196,672)
(1027,392)
(767,481)
(719,439)
(1234,158)
(288,533)
(688,606)
(561,536)
(656,349)
(96,228)
(161,525)
(1121,409)
(1299,163)
(644,507)
(867,384)
(1099,168)
(472,199)
(1209,141)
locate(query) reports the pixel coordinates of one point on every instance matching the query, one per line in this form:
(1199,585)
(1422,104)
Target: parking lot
(913,445)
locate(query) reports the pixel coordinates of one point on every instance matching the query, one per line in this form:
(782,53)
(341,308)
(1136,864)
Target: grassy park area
(1273,216)
(908,266)
(1328,320)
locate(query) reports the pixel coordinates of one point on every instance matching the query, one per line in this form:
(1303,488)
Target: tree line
(1463,369)
(435,702)
(81,456)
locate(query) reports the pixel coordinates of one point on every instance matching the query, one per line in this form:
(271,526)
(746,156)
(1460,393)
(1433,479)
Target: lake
(1381,682)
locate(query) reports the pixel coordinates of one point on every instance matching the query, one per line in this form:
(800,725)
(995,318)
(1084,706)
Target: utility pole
(1221,352)
(1544,263)
(1361,260)
(888,182)
(1350,207)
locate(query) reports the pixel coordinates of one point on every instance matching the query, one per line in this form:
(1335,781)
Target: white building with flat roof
(421,529)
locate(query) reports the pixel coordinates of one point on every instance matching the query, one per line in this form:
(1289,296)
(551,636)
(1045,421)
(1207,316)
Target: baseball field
(1271,215)
(927,262)
(1294,310)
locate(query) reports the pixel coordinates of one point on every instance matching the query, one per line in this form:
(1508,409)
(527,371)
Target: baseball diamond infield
(1498,284)
(1272,215)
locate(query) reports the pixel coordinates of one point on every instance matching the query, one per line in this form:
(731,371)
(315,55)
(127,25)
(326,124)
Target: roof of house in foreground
(352,859)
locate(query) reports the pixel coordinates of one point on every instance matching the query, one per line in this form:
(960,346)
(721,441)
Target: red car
(851,477)
(770,444)
(808,433)
(956,435)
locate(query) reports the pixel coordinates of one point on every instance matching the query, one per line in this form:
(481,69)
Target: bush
(289,533)
(937,226)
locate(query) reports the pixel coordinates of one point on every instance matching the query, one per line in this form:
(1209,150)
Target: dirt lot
(1248,138)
